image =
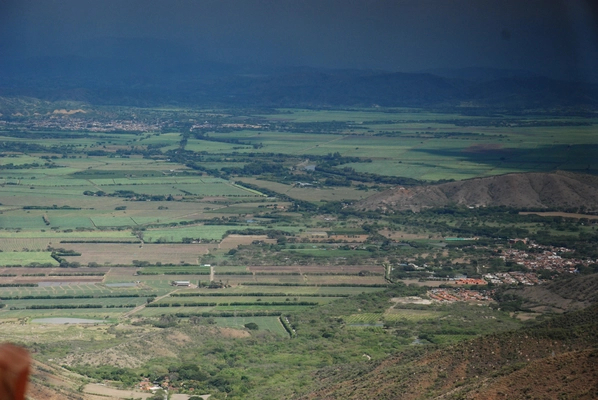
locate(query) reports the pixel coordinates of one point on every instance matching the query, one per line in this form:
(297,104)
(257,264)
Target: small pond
(123,284)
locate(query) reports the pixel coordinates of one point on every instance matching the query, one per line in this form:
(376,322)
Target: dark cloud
(554,37)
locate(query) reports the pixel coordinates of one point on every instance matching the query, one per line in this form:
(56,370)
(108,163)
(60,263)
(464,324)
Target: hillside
(50,382)
(537,190)
(555,358)
(572,293)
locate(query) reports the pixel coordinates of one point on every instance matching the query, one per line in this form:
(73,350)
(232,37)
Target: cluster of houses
(459,294)
(513,278)
(544,258)
(148,386)
(209,125)
(90,125)
(470,281)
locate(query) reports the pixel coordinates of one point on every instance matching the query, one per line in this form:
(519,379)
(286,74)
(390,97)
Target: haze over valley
(300,200)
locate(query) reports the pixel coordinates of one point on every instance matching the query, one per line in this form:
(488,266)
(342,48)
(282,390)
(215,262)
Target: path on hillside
(94,185)
(142,306)
(320,144)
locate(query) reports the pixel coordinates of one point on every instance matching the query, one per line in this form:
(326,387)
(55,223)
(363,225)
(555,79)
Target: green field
(251,300)
(26,258)
(396,315)
(74,290)
(163,270)
(104,302)
(271,324)
(205,232)
(103,313)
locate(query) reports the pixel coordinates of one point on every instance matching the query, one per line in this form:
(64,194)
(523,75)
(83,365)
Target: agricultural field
(432,146)
(176,234)
(284,276)
(233,241)
(373,319)
(288,291)
(320,269)
(270,324)
(310,193)
(125,254)
(25,258)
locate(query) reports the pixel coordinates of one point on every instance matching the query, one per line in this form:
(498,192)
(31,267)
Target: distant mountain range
(122,74)
(526,190)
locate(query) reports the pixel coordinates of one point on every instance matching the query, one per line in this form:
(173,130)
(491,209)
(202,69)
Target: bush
(252,326)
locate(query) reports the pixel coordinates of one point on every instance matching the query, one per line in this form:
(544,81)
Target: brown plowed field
(18,244)
(116,253)
(61,279)
(122,271)
(232,241)
(277,279)
(108,393)
(302,279)
(56,270)
(344,279)
(318,269)
(47,271)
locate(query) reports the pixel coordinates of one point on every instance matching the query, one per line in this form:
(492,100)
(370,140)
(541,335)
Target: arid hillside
(50,382)
(554,359)
(563,295)
(537,190)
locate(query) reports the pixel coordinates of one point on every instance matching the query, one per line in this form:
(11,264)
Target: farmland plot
(319,269)
(251,290)
(54,271)
(58,236)
(271,324)
(343,279)
(203,232)
(91,313)
(22,258)
(310,194)
(233,241)
(20,244)
(118,254)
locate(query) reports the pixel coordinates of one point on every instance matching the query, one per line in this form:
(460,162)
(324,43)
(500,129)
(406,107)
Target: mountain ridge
(156,78)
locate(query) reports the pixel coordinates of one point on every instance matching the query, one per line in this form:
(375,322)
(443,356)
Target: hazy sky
(553,37)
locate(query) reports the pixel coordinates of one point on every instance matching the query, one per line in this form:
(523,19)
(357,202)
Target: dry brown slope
(516,361)
(566,294)
(576,373)
(558,190)
(48,382)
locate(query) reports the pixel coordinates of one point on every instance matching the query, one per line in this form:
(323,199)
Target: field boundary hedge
(258,294)
(236,303)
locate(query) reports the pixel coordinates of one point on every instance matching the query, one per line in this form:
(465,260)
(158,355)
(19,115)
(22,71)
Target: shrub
(252,326)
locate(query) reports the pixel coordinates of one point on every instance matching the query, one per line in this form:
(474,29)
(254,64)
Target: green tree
(252,326)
